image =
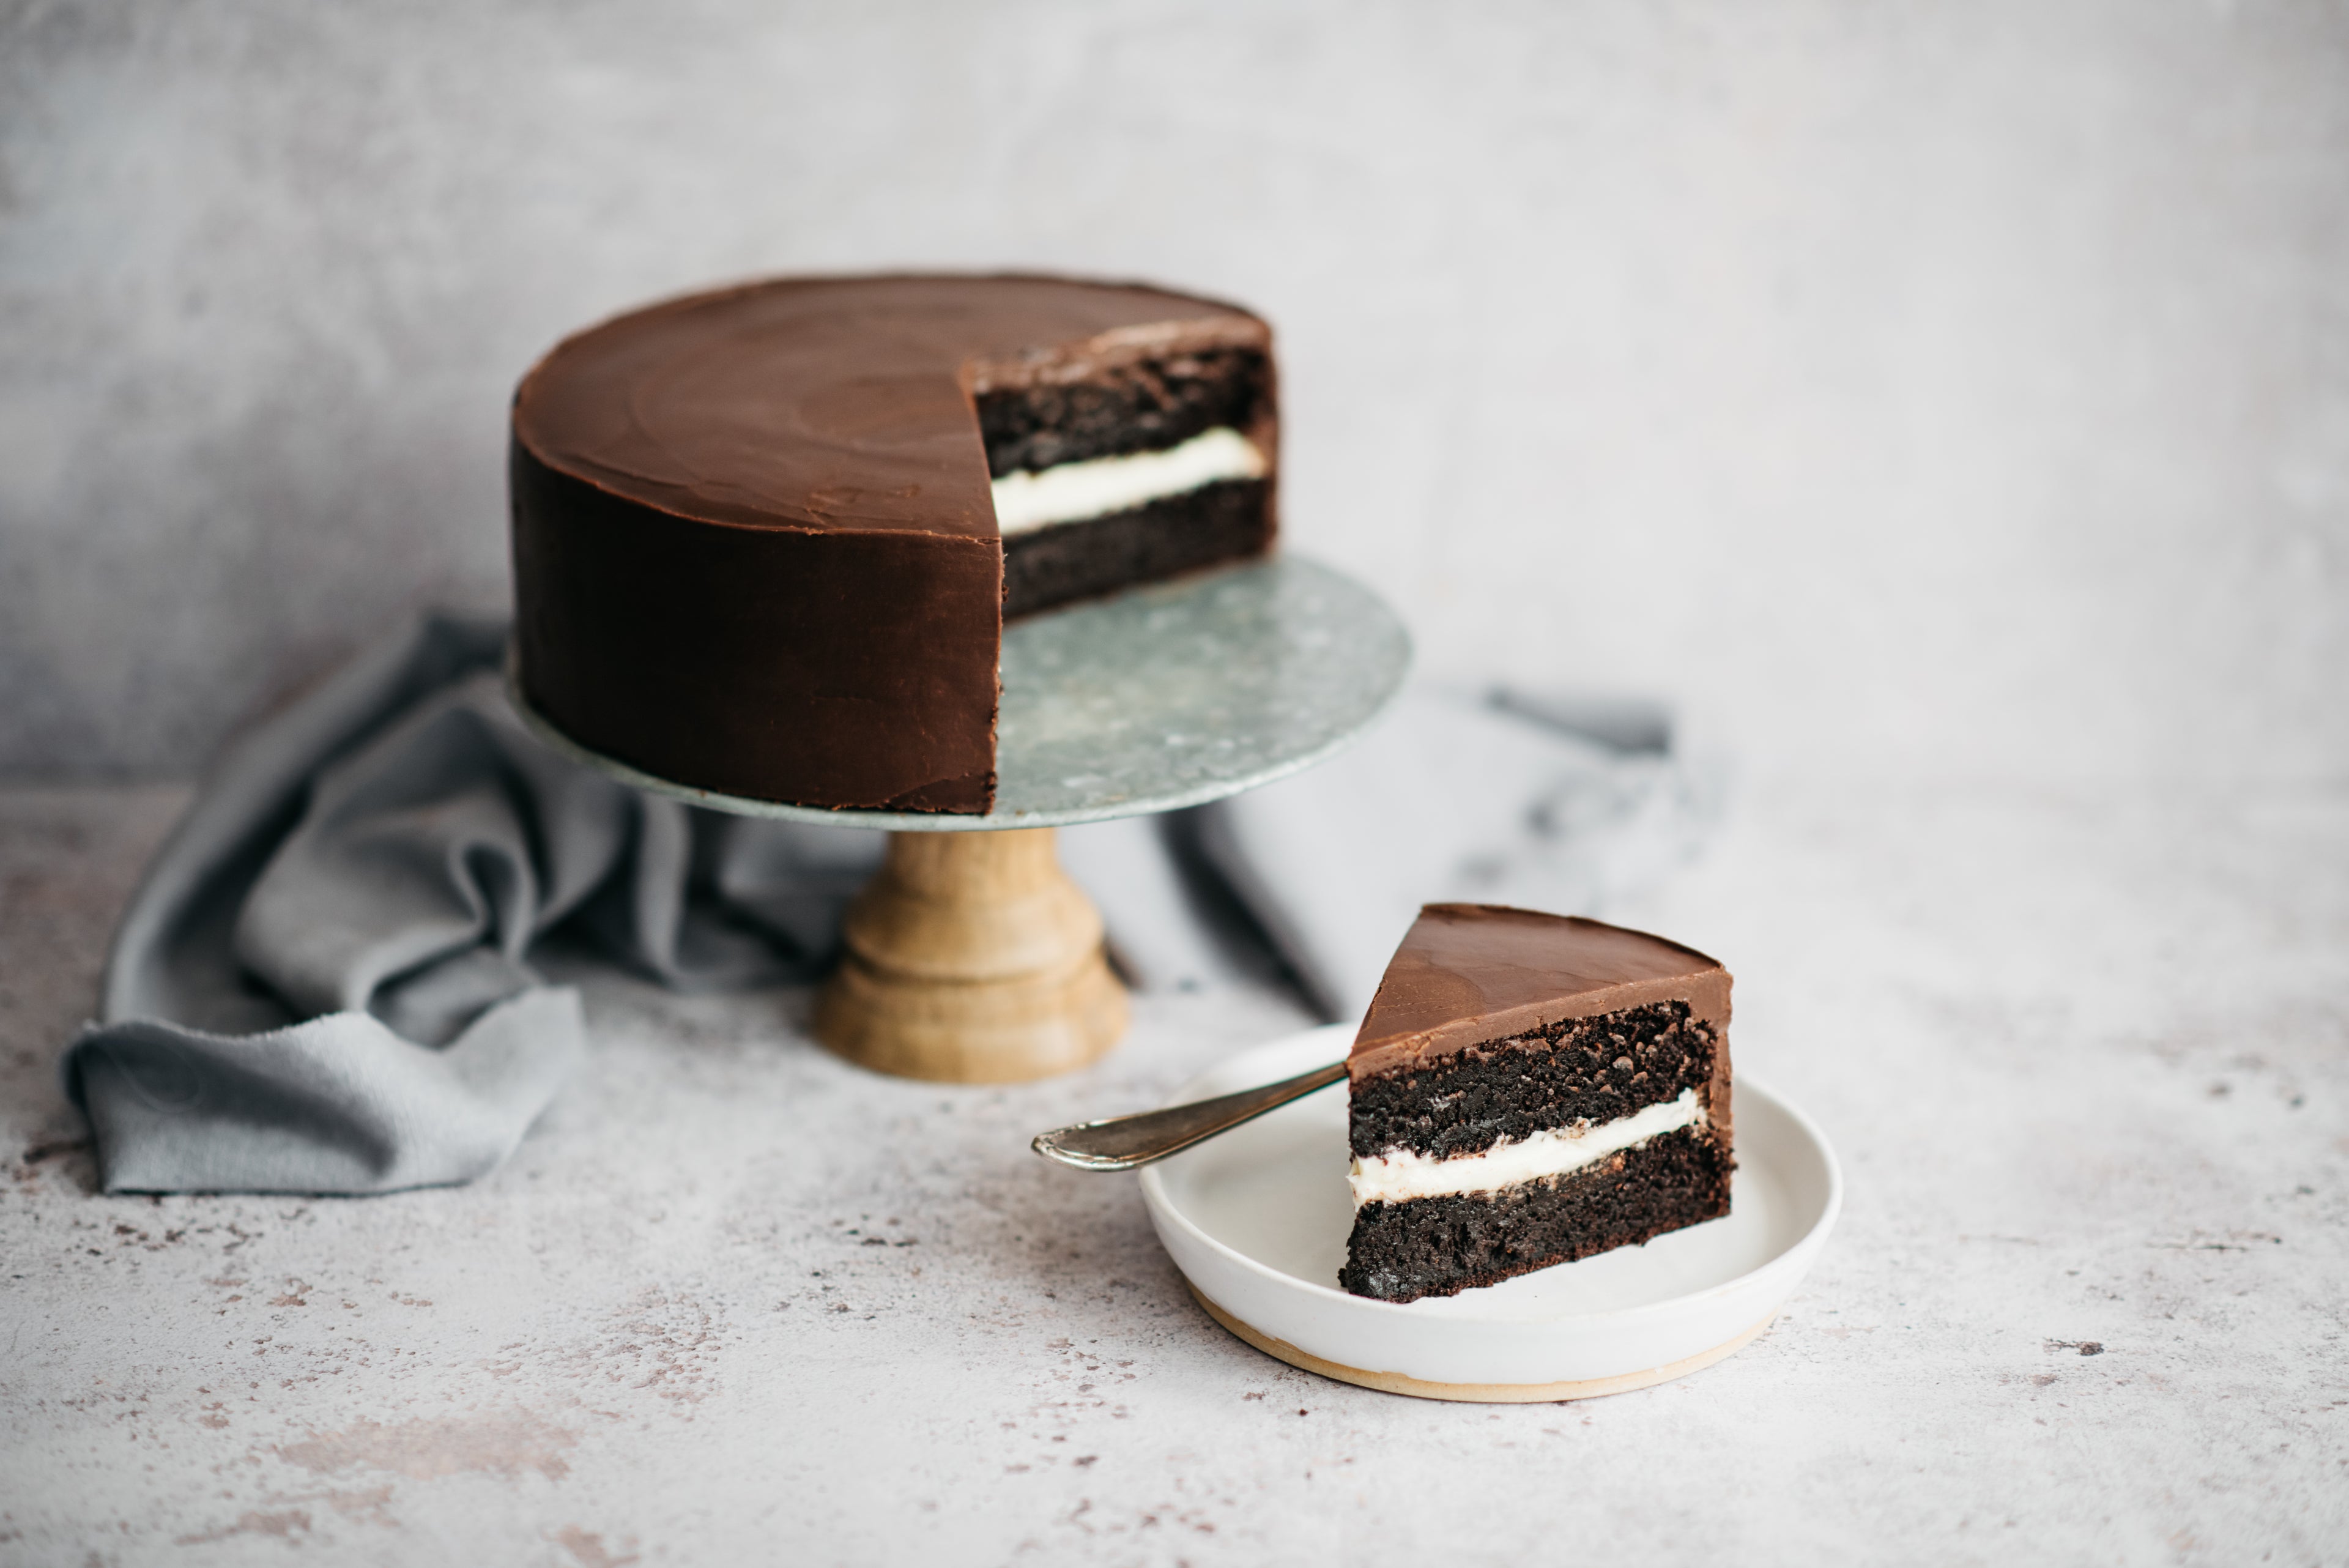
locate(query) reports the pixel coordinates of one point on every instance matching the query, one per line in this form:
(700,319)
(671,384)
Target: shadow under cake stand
(970,956)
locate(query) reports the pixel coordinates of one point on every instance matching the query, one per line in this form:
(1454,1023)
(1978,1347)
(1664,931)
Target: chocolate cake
(1530,1089)
(765,539)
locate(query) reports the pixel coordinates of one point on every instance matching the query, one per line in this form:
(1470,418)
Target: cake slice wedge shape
(1530,1089)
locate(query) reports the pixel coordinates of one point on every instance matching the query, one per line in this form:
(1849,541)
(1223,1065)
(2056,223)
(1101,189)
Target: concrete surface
(2086,1060)
(1921,389)
(1947,407)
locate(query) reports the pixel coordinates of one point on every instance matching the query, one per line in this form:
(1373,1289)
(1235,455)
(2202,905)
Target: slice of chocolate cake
(1530,1089)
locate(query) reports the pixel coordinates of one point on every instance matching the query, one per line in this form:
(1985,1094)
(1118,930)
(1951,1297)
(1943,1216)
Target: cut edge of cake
(1130,458)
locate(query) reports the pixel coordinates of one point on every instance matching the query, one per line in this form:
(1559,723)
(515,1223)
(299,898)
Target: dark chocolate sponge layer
(1072,561)
(1595,1069)
(1442,1246)
(1146,405)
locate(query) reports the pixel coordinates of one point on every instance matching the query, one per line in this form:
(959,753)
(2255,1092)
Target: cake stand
(970,956)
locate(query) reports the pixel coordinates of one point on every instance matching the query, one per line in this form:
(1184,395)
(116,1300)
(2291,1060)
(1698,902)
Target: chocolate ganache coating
(754,540)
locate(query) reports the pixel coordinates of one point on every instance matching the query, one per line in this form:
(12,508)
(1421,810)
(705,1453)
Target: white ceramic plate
(1256,1219)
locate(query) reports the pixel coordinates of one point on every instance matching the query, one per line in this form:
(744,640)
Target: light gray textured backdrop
(1957,390)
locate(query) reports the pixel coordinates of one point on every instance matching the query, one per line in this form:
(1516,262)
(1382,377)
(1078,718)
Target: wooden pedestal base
(972,959)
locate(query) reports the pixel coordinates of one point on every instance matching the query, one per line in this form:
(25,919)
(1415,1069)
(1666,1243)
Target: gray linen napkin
(323,984)
(1482,797)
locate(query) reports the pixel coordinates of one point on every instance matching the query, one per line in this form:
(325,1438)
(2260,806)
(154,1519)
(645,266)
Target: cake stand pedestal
(970,956)
(973,959)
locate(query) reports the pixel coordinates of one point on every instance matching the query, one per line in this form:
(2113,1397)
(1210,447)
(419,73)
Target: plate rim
(1162,1208)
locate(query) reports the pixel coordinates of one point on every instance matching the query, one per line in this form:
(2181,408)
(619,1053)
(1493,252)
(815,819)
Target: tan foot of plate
(1480,1393)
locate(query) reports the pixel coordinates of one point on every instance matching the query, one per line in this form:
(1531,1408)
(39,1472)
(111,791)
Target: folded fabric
(323,983)
(1479,797)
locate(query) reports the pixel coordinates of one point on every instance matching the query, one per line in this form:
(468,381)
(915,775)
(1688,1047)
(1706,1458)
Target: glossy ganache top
(836,403)
(1471,972)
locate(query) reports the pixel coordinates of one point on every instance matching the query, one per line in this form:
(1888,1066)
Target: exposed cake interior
(1522,1109)
(1503,1118)
(1128,471)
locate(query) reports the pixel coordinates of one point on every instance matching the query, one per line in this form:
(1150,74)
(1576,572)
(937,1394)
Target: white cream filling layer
(1099,486)
(1401,1173)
